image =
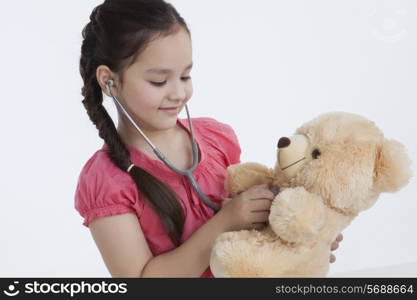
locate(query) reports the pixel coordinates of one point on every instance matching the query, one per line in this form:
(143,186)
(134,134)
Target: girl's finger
(339,238)
(334,246)
(332,258)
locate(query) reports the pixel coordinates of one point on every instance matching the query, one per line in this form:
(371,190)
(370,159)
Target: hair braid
(93,103)
(94,53)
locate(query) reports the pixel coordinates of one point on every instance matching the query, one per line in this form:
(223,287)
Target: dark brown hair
(118,31)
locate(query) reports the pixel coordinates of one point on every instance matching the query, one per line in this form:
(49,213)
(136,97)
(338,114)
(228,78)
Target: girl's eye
(158,83)
(164,82)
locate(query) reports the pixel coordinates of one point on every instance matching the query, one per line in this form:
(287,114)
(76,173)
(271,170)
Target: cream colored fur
(356,164)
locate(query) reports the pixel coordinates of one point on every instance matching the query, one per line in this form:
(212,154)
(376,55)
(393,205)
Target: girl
(146,220)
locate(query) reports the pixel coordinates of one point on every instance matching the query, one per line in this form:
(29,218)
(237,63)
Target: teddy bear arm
(296,215)
(241,177)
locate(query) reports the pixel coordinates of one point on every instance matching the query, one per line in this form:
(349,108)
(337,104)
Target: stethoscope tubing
(188,172)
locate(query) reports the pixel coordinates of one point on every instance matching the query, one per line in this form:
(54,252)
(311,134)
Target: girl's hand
(334,246)
(249,209)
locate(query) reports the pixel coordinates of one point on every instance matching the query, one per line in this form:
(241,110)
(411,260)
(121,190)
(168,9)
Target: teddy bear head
(345,159)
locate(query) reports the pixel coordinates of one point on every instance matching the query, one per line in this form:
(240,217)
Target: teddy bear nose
(283,142)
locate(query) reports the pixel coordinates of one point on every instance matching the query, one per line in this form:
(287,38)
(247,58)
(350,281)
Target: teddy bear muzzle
(292,154)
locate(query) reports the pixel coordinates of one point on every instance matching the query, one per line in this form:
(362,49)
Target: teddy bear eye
(316,153)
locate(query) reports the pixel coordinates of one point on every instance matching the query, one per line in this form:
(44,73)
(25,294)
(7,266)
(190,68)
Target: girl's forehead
(172,51)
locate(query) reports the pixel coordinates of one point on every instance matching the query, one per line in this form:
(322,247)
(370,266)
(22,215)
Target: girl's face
(159,78)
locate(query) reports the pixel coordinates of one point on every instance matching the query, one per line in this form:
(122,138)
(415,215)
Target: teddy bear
(334,167)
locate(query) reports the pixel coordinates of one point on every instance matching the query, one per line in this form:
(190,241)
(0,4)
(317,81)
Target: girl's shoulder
(219,135)
(210,127)
(210,123)
(99,170)
(100,164)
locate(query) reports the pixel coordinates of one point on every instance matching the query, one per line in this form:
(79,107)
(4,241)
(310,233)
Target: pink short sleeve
(104,190)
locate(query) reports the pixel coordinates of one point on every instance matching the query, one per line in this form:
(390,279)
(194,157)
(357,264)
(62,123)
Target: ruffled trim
(111,210)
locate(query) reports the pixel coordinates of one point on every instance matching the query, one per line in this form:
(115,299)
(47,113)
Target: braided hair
(117,33)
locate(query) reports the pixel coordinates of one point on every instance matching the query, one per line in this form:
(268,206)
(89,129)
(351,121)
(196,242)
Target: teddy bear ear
(392,166)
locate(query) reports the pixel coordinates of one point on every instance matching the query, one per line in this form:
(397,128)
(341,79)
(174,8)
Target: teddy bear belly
(251,253)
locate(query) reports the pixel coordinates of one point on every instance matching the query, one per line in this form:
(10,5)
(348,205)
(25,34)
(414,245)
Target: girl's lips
(170,110)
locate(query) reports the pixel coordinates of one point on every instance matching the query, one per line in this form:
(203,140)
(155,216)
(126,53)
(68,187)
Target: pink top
(105,190)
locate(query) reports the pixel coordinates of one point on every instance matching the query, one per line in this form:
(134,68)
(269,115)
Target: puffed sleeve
(104,190)
(224,137)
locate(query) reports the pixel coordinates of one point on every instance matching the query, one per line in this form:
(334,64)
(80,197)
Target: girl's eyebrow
(166,71)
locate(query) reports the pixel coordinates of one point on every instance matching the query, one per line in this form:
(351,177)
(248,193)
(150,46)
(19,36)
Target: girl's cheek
(148,98)
(146,103)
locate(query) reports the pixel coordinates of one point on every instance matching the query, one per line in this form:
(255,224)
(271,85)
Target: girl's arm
(191,258)
(126,253)
(121,243)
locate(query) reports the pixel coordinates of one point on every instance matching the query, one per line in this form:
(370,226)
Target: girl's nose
(177,91)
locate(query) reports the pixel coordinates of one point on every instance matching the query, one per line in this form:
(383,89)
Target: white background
(264,67)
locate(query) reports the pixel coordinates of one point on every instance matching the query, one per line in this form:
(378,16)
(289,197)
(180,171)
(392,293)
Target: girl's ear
(103,75)
(392,166)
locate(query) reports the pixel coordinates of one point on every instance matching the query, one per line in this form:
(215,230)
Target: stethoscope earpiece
(110,83)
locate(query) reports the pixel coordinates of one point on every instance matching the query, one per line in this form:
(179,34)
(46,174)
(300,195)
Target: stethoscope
(188,172)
